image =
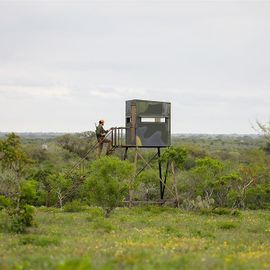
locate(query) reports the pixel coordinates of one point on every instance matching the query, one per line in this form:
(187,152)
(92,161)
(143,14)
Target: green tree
(12,156)
(176,156)
(108,182)
(247,179)
(254,176)
(22,214)
(13,160)
(258,196)
(18,192)
(59,185)
(207,172)
(222,187)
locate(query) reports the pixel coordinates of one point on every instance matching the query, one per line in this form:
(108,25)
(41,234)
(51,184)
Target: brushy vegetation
(222,171)
(73,206)
(140,238)
(108,182)
(52,217)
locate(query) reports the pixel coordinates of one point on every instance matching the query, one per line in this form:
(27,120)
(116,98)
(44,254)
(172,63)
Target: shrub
(258,196)
(227,225)
(76,263)
(226,211)
(37,240)
(28,191)
(93,214)
(221,211)
(73,206)
(103,225)
(148,185)
(109,182)
(4,202)
(20,212)
(236,213)
(198,204)
(21,218)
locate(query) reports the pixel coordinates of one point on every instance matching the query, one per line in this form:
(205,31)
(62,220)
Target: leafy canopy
(108,182)
(12,155)
(177,155)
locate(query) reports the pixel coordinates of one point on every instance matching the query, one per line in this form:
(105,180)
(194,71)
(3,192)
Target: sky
(66,64)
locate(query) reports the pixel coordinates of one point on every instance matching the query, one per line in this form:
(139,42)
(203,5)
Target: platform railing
(118,136)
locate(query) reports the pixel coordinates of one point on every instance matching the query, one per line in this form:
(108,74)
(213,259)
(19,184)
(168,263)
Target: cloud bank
(64,66)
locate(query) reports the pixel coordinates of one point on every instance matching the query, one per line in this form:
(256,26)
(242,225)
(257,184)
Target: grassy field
(139,238)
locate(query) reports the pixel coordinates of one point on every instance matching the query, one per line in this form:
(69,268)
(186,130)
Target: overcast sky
(66,64)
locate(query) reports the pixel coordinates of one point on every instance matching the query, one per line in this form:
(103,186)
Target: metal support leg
(82,167)
(165,178)
(126,151)
(160,175)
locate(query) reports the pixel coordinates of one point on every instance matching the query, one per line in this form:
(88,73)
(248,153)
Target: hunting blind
(148,123)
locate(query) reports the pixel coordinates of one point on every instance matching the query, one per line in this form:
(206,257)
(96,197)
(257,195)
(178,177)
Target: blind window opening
(153,119)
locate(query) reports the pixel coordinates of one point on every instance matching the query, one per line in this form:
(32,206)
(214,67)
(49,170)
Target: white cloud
(107,92)
(17,91)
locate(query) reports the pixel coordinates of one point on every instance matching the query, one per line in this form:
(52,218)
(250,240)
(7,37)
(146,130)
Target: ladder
(117,135)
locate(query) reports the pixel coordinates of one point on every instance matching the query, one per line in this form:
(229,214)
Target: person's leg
(100,146)
(109,146)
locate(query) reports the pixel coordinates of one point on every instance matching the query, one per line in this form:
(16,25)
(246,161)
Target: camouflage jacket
(100,131)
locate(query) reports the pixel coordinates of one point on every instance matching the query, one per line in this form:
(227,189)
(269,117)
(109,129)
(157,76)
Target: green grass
(139,238)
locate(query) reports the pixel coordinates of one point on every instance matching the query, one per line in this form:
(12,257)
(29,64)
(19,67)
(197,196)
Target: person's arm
(103,131)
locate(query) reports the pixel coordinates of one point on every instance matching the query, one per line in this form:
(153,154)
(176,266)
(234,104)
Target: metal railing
(118,136)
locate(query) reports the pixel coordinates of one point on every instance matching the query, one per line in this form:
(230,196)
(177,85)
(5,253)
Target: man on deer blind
(101,137)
